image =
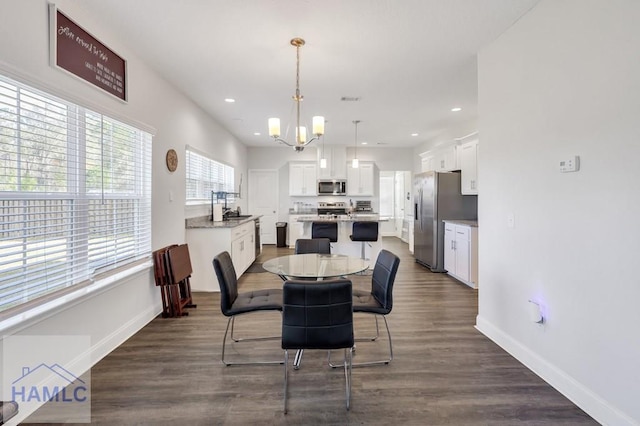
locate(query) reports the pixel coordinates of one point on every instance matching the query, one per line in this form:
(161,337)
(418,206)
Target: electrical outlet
(570,164)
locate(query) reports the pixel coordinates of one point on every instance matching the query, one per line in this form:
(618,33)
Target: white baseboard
(580,395)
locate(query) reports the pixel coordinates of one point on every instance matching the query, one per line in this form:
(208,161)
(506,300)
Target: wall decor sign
(75,50)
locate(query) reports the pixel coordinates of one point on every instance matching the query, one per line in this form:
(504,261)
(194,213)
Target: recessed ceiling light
(256,133)
(456,109)
(229,100)
(414,134)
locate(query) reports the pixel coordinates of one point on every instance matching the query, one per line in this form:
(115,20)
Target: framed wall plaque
(79,53)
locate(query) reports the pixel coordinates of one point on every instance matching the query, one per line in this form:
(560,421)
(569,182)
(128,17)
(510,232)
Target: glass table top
(315,265)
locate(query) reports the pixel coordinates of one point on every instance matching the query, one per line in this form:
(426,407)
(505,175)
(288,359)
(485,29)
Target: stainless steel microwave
(332,187)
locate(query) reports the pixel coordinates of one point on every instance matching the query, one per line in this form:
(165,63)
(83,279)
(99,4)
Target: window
(205,175)
(75,194)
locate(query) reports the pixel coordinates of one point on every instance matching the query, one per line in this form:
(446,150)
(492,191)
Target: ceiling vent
(350,99)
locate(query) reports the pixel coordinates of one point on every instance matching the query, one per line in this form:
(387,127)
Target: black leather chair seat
(363,301)
(259,300)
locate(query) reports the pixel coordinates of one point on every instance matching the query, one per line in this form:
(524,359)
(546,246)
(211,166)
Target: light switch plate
(570,164)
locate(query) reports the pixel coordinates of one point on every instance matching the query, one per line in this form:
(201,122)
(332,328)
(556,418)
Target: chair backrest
(364,231)
(227,280)
(325,230)
(384,274)
(317,316)
(313,245)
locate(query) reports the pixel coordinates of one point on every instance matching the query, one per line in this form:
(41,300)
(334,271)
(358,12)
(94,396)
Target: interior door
(263,200)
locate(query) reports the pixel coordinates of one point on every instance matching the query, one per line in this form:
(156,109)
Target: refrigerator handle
(421,218)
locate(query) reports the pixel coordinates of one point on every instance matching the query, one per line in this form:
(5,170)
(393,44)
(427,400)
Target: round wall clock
(172,160)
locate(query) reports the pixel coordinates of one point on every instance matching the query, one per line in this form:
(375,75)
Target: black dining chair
(233,303)
(318,317)
(378,301)
(313,245)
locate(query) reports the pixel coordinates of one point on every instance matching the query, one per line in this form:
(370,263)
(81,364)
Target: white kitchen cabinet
(360,181)
(303,179)
(441,159)
(469,167)
(461,252)
(243,248)
(207,242)
(336,157)
(296,229)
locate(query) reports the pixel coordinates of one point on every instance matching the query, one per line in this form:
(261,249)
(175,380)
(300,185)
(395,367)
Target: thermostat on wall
(570,165)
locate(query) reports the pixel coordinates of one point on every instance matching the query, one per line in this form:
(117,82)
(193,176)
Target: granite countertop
(206,222)
(343,218)
(472,223)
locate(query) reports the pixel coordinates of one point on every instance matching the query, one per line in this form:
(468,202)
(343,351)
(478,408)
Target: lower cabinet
(461,252)
(296,229)
(243,248)
(207,242)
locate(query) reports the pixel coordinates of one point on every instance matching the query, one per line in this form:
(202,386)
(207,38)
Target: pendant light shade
(323,159)
(354,162)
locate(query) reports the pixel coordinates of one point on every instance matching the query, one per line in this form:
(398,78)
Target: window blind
(204,175)
(75,194)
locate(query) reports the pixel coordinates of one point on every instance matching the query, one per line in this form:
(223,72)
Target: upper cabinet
(336,157)
(360,181)
(469,167)
(441,159)
(459,155)
(303,179)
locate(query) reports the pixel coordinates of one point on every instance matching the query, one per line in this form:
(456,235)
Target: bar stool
(325,230)
(364,232)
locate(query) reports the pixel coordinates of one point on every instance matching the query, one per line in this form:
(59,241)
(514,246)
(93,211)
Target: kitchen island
(206,239)
(344,245)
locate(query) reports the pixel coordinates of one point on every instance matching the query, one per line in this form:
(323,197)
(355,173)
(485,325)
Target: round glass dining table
(313,265)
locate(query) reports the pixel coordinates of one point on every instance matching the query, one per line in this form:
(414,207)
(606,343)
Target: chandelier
(301,131)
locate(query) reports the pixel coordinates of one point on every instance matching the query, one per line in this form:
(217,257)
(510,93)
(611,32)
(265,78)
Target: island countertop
(343,218)
(206,222)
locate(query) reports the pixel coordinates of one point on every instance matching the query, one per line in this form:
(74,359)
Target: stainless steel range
(332,208)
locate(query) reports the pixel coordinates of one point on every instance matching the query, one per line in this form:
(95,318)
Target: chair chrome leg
(348,363)
(384,361)
(224,344)
(286,378)
(371,339)
(297,359)
(247,339)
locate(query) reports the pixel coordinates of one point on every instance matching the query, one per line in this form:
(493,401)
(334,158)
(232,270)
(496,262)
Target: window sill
(48,307)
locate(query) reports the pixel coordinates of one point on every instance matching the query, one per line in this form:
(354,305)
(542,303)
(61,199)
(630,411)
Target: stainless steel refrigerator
(437,197)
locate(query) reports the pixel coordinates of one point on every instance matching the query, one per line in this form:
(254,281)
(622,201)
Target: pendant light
(354,162)
(323,159)
(301,131)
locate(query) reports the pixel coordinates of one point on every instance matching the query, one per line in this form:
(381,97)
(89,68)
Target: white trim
(38,313)
(575,391)
(466,136)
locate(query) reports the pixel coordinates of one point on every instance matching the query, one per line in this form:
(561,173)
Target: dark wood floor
(444,372)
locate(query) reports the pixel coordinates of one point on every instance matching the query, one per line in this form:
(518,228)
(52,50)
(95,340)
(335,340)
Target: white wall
(564,81)
(112,315)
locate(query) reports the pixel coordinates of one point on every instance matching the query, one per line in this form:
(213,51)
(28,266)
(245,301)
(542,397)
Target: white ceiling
(409,61)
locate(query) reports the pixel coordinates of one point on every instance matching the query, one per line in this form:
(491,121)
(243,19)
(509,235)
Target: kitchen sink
(241,217)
